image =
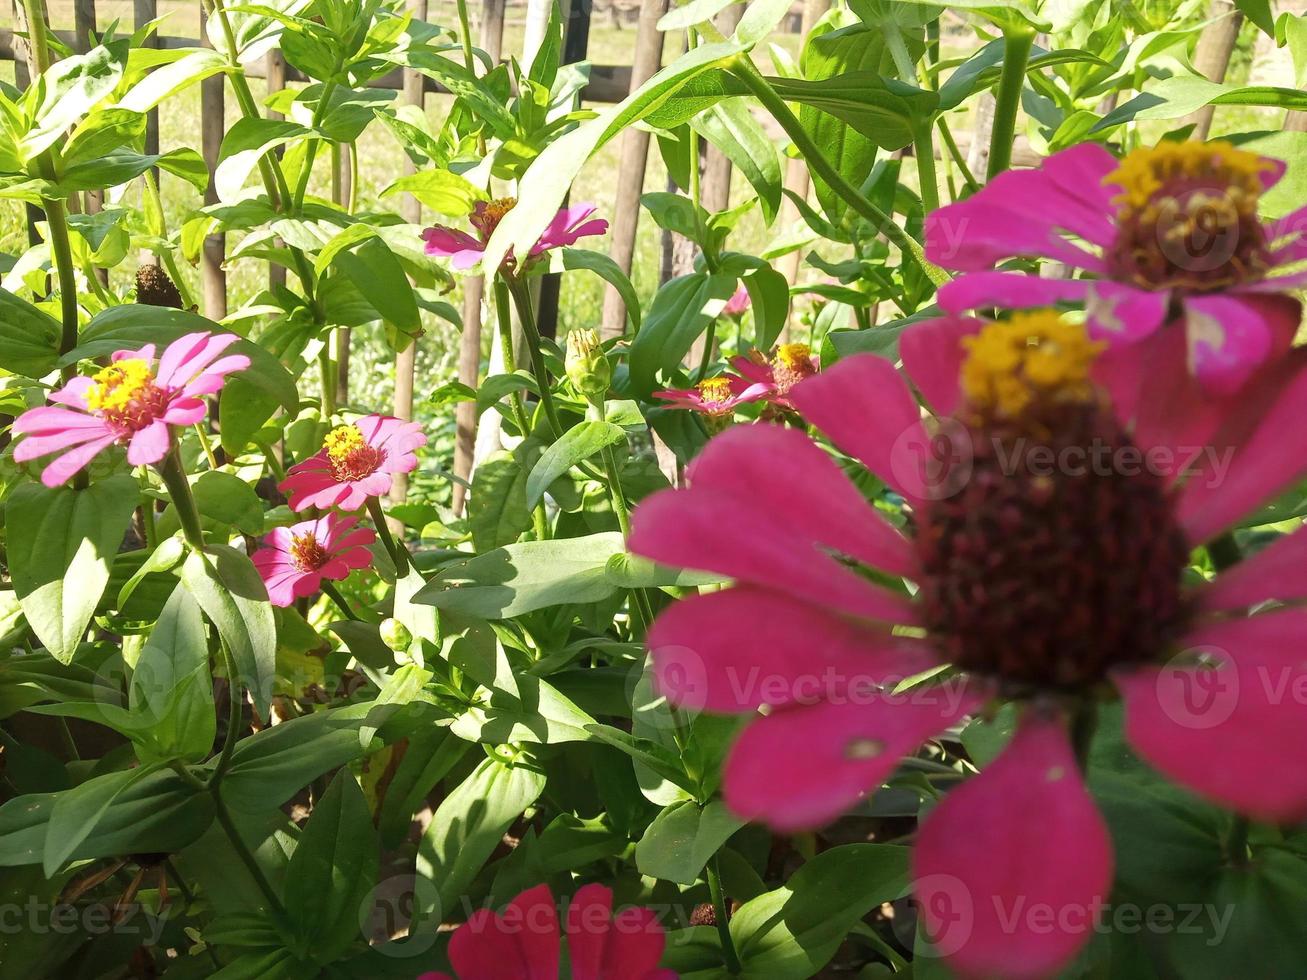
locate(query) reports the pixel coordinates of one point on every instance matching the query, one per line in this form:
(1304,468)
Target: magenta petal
(1219,730)
(635,945)
(1011,290)
(997,224)
(483,949)
(734,650)
(149,445)
(532,920)
(933,354)
(866,408)
(1230,336)
(74,393)
(802,766)
(1122,314)
(1266,461)
(800,489)
(34,446)
(62,469)
(710,531)
(1278,572)
(1013,867)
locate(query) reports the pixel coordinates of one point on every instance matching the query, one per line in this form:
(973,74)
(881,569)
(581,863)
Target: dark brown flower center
(306,554)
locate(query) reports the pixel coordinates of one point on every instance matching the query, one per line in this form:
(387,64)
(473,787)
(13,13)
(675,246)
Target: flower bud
(587,366)
(396,635)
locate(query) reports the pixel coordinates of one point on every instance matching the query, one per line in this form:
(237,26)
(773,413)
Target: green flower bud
(587,366)
(396,635)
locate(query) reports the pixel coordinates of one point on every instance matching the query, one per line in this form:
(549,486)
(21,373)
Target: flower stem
(333,593)
(179,492)
(958,159)
(743,70)
(247,858)
(328,373)
(398,552)
(505,322)
(719,913)
(517,288)
(235,701)
(1017,42)
(1084,722)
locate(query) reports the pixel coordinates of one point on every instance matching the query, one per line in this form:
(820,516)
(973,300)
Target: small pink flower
(294,560)
(355,462)
(130,403)
(1169,236)
(716,398)
(790,364)
(739,303)
(524,944)
(1056,490)
(569,226)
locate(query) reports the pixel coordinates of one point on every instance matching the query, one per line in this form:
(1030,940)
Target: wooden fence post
(144,11)
(275,68)
(212,126)
(1212,57)
(634,163)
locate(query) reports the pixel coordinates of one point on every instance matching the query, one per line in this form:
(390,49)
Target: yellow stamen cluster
(795,357)
(715,391)
(1148,172)
(342,442)
(488,214)
(118,385)
(1033,357)
(306,553)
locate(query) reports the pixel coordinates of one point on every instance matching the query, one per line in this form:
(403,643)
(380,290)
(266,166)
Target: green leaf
(67,90)
(77,811)
(576,445)
(882,109)
(681,311)
(629,571)
(683,838)
(1259,12)
(227,499)
(167,80)
(1180,95)
(792,932)
(61,545)
(171,693)
(29,338)
(520,578)
(443,191)
(608,270)
(247,141)
(692,13)
(761,19)
(229,590)
(496,508)
(468,826)
(731,127)
(332,871)
(379,276)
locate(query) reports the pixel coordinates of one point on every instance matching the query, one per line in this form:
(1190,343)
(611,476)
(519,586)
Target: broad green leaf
(77,811)
(443,191)
(681,311)
(68,90)
(227,499)
(247,141)
(608,270)
(731,127)
(692,13)
(170,690)
(520,578)
(575,446)
(379,276)
(61,544)
(1259,12)
(468,826)
(683,838)
(167,80)
(333,870)
(1180,95)
(496,508)
(229,590)
(29,338)
(761,19)
(882,109)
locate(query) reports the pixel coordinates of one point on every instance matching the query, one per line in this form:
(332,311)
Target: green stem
(817,162)
(958,159)
(235,702)
(333,593)
(328,372)
(723,924)
(398,553)
(505,322)
(1017,42)
(1084,722)
(709,342)
(179,492)
(353,202)
(464,26)
(204,444)
(923,149)
(247,858)
(521,294)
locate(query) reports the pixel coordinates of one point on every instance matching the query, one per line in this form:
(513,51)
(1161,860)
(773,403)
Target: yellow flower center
(715,391)
(1033,357)
(341,442)
(795,357)
(1187,216)
(488,214)
(306,553)
(348,453)
(119,384)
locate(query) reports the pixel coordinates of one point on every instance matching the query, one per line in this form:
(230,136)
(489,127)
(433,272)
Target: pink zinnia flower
(790,364)
(569,226)
(1054,505)
(1169,235)
(294,560)
(523,943)
(130,403)
(739,303)
(355,462)
(716,399)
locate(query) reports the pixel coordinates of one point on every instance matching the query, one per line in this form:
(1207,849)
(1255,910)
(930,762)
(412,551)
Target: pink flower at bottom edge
(355,462)
(524,944)
(1052,602)
(131,402)
(294,560)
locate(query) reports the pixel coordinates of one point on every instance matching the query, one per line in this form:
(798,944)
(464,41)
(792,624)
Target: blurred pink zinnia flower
(130,402)
(739,303)
(294,560)
(791,364)
(716,398)
(355,462)
(1056,494)
(569,226)
(524,944)
(1170,235)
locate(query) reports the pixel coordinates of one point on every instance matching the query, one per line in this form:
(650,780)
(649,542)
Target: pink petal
(1267,428)
(50,418)
(33,447)
(1278,572)
(1013,867)
(604,946)
(531,919)
(867,410)
(185,411)
(1220,731)
(74,393)
(62,469)
(483,949)
(800,489)
(734,650)
(933,354)
(1230,336)
(711,531)
(1121,314)
(149,445)
(178,352)
(146,353)
(1011,290)
(802,766)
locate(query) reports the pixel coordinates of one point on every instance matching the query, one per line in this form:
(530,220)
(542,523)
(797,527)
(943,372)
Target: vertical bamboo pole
(275,68)
(717,166)
(22,79)
(635,157)
(342,179)
(1212,57)
(145,11)
(212,125)
(406,360)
